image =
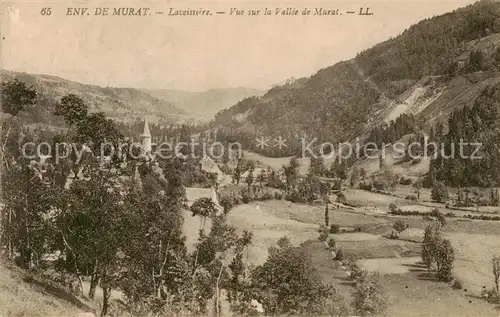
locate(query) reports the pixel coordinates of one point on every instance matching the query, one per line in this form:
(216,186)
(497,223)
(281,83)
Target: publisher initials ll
(365,11)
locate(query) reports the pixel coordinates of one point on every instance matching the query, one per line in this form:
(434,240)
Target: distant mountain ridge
(204,105)
(120,104)
(433,67)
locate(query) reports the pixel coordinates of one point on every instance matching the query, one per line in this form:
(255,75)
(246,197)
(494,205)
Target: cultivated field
(410,292)
(268,222)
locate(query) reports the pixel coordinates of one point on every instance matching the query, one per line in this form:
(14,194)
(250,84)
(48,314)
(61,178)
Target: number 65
(46,11)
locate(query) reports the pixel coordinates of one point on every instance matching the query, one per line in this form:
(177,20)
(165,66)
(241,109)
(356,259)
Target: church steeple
(146,138)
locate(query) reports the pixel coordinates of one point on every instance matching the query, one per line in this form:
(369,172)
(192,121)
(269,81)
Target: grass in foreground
(24,295)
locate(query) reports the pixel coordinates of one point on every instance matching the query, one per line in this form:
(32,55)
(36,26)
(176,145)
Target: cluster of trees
(395,130)
(430,46)
(438,252)
(124,233)
(493,295)
(398,226)
(469,197)
(120,228)
(339,99)
(121,231)
(439,192)
(478,60)
(44,112)
(305,189)
(336,99)
(369,296)
(230,133)
(470,125)
(118,223)
(161,131)
(289,284)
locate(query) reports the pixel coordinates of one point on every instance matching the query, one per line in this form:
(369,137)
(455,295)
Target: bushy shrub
(274,181)
(278,196)
(68,281)
(293,196)
(482,217)
(323,228)
(411,197)
(491,296)
(323,233)
(306,190)
(380,185)
(432,238)
(339,255)
(245,196)
(399,226)
(284,242)
(354,269)
(334,228)
(289,274)
(332,244)
(337,185)
(369,297)
(382,192)
(439,192)
(484,202)
(323,236)
(266,196)
(393,208)
(439,216)
(359,229)
(405,181)
(366,186)
(393,235)
(227,203)
(445,256)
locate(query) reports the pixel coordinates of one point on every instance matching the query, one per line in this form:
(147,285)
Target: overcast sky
(197,53)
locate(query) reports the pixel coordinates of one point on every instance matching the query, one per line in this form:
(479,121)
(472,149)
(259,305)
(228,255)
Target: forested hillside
(337,103)
(479,128)
(120,104)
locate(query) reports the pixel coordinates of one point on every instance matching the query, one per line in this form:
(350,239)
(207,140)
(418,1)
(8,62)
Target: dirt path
(408,293)
(330,270)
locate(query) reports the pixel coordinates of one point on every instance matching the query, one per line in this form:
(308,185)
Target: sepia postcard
(249,158)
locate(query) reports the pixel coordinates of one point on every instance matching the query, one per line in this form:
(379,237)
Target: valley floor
(410,289)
